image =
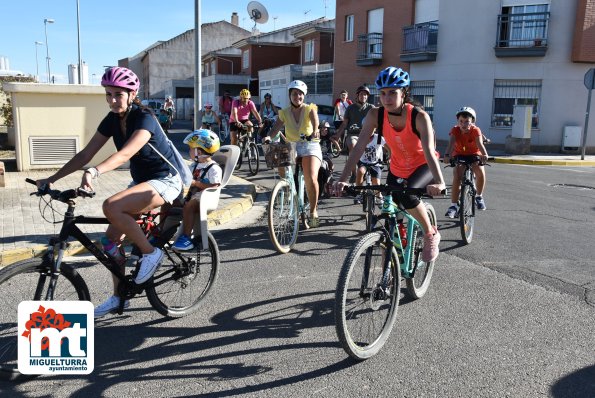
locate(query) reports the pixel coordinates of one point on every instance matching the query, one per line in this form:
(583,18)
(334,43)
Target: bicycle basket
(279,154)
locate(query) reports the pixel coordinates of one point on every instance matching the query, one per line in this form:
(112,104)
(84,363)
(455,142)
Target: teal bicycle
(368,290)
(289,201)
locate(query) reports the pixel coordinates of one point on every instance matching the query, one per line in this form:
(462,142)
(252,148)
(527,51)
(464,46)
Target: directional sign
(590,79)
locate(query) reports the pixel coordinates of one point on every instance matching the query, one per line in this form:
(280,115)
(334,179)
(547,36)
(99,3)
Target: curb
(216,217)
(542,162)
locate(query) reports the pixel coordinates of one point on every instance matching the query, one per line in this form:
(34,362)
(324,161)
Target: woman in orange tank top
(413,156)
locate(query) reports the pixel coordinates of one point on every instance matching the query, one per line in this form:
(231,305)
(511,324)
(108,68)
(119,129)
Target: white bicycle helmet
(298,84)
(468,110)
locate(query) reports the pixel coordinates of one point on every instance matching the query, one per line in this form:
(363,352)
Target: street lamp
(37,44)
(47,48)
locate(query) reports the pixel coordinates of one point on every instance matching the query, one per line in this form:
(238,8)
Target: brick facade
(348,75)
(583,44)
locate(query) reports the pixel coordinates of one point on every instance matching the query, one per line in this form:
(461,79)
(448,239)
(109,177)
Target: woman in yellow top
(301,129)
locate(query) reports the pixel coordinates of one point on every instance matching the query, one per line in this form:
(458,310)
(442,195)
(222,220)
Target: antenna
(306,13)
(257,12)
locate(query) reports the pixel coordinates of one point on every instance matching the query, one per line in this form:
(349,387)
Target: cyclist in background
(466,140)
(413,161)
(268,114)
(225,103)
(301,127)
(210,120)
(340,106)
(352,121)
(154,181)
(240,114)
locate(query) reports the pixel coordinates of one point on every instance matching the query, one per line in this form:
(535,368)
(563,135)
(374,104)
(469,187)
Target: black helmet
(267,95)
(362,88)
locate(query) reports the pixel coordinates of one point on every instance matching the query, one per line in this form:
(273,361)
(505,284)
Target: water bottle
(112,250)
(403,234)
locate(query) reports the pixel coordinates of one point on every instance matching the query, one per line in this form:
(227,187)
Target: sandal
(313,222)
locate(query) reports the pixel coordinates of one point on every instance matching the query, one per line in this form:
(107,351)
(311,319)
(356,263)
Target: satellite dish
(258,13)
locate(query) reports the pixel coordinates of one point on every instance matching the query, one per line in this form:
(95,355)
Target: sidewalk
(24,233)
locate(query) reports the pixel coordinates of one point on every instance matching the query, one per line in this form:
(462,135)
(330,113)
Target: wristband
(93,171)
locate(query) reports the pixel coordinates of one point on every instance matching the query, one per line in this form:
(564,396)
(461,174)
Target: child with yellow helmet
(203,143)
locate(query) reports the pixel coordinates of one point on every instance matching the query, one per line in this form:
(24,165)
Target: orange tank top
(406,151)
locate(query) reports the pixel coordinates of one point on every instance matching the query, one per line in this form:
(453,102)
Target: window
(245,59)
(508,93)
(423,92)
(309,51)
(349,19)
(523,26)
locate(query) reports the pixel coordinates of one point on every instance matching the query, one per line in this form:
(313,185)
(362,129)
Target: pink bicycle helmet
(117,76)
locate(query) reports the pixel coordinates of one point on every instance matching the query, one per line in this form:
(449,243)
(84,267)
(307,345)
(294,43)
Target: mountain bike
(175,290)
(368,290)
(248,149)
(467,195)
(289,201)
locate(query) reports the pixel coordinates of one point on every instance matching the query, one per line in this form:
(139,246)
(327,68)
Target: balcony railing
(420,42)
(369,49)
(522,35)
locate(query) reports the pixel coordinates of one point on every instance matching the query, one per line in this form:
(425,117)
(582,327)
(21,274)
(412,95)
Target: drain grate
(571,186)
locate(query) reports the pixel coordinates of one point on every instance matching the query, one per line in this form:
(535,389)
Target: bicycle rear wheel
(283,217)
(184,278)
(366,305)
(418,284)
(253,158)
(467,213)
(29,280)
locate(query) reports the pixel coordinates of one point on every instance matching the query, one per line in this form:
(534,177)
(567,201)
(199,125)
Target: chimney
(235,20)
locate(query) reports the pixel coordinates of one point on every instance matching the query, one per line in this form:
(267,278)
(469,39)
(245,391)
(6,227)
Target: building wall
(266,57)
(348,75)
(466,67)
(56,111)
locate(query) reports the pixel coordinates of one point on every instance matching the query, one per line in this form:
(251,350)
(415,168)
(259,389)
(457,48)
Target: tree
(5,103)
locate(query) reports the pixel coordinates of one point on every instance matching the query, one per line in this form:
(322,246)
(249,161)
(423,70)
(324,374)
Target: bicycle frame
(298,191)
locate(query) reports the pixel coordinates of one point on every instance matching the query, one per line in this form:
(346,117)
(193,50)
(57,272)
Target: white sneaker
(109,305)
(148,265)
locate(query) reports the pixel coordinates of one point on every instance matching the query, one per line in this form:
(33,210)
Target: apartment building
(495,56)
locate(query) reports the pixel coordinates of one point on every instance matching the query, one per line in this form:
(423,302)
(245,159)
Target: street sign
(590,79)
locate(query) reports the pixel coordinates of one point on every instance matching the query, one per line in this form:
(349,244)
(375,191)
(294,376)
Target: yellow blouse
(294,130)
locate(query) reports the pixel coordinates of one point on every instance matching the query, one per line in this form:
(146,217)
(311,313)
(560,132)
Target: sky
(114,29)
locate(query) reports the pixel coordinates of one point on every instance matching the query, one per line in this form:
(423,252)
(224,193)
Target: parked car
(325,113)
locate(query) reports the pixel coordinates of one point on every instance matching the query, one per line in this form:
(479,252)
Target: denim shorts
(169,187)
(375,171)
(308,148)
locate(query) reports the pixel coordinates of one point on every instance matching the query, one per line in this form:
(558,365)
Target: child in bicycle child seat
(207,173)
(372,155)
(466,139)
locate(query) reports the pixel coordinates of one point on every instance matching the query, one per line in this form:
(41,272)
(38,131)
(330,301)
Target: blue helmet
(204,139)
(392,77)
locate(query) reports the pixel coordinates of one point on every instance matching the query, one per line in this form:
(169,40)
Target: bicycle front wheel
(467,213)
(418,284)
(29,280)
(253,158)
(283,217)
(184,278)
(369,208)
(367,296)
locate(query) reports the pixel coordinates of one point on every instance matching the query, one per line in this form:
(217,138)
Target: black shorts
(234,127)
(421,178)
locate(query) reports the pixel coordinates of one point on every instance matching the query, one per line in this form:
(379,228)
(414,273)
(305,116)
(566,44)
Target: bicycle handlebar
(458,160)
(62,196)
(389,189)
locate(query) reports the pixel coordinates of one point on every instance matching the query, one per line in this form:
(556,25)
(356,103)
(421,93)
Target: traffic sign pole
(590,84)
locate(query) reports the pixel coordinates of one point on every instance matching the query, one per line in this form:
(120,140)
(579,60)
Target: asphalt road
(504,316)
